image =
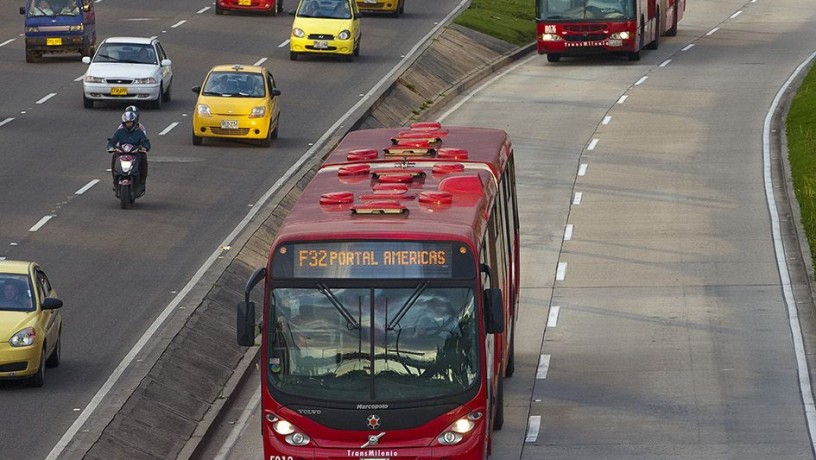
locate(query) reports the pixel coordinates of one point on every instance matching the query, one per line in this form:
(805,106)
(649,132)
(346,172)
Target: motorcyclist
(134,109)
(129,133)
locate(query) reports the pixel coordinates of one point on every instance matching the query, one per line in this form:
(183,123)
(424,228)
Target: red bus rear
(390,299)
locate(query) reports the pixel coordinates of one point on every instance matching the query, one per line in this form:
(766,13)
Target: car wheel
(293,56)
(87,103)
(402,7)
(357,47)
(38,379)
(197,140)
(348,57)
(553,57)
(158,102)
(31,56)
(167,94)
(218,10)
(54,359)
(279,6)
(277,126)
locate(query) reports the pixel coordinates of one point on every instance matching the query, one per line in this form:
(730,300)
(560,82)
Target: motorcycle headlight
(92,79)
(203,110)
(257,112)
(127,165)
(144,81)
(23,338)
(296,32)
(344,35)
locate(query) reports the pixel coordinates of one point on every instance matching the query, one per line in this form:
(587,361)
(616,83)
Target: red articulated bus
(582,27)
(390,299)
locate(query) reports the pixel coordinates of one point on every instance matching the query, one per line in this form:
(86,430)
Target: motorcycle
(127,182)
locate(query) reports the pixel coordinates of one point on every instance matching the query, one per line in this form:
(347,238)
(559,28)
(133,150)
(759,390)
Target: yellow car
(394,7)
(237,102)
(326,27)
(30,322)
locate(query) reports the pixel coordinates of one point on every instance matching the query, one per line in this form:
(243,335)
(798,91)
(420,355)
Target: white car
(128,69)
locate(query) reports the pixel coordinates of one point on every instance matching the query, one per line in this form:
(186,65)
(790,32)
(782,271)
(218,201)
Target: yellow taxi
(30,322)
(326,27)
(393,7)
(237,102)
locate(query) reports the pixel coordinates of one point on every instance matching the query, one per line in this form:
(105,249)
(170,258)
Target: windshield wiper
(408,304)
(351,322)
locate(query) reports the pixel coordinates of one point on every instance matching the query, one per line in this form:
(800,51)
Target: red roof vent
(362,154)
(337,198)
(353,170)
(447,168)
(391,194)
(471,184)
(426,126)
(452,154)
(411,147)
(435,197)
(396,178)
(401,187)
(433,137)
(380,207)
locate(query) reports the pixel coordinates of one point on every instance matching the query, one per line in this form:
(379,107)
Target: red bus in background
(390,299)
(583,27)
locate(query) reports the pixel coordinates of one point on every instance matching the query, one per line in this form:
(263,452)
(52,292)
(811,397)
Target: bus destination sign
(373,259)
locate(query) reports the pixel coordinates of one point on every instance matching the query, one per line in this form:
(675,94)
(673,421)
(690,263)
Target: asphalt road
(117,270)
(662,294)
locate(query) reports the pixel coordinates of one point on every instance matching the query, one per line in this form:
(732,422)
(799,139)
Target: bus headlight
(550,37)
(621,35)
(457,430)
(291,434)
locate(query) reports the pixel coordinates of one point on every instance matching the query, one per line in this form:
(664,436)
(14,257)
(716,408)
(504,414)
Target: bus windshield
(373,344)
(585,9)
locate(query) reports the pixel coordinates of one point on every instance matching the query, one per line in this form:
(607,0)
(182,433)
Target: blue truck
(59,26)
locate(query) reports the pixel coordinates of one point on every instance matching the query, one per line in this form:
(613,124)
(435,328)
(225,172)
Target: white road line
(39,224)
(592,144)
(543,367)
(260,61)
(665,63)
(805,389)
(285,42)
(641,80)
(533,427)
(203,10)
(168,128)
(6,121)
(688,47)
(7,41)
(711,32)
(46,98)
(86,187)
(178,23)
(578,196)
(240,426)
(606,120)
(582,169)
(736,14)
(622,99)
(561,271)
(568,232)
(552,318)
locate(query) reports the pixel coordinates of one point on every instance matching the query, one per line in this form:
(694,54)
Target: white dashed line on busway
(203,10)
(46,98)
(260,61)
(552,318)
(582,169)
(736,14)
(592,144)
(568,232)
(606,120)
(7,42)
(578,197)
(561,271)
(178,23)
(533,426)
(168,128)
(42,222)
(79,78)
(622,99)
(285,42)
(86,187)
(543,367)
(6,121)
(688,47)
(641,80)
(665,63)
(711,32)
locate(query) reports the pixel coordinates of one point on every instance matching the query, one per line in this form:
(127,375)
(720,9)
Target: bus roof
(377,185)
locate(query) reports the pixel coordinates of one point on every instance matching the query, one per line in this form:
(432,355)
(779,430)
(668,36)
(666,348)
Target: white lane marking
(568,232)
(561,271)
(260,61)
(736,14)
(203,10)
(552,318)
(68,436)
(6,121)
(688,47)
(50,95)
(285,42)
(86,187)
(592,144)
(606,120)
(240,426)
(168,128)
(578,196)
(39,224)
(622,99)
(805,389)
(139,19)
(582,169)
(178,23)
(533,427)
(7,41)
(665,63)
(641,80)
(543,367)
(711,32)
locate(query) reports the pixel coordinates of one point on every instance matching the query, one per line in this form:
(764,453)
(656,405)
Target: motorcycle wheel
(125,196)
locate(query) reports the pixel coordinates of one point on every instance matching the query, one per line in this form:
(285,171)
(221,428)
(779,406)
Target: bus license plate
(53,41)
(118,91)
(321,44)
(229,124)
(244,2)
(615,42)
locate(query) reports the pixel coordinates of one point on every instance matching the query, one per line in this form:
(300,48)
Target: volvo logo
(373,440)
(373,422)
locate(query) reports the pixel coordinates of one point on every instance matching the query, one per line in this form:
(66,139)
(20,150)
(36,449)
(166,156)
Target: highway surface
(118,270)
(665,308)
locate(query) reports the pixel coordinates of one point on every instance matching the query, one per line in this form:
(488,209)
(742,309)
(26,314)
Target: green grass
(510,20)
(801,132)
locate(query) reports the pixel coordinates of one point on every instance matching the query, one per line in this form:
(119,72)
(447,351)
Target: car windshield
(53,8)
(352,344)
(130,53)
(331,9)
(15,293)
(585,9)
(235,84)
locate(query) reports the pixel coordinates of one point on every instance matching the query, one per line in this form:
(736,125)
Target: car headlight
(291,434)
(344,35)
(32,29)
(23,338)
(299,33)
(203,110)
(92,79)
(76,28)
(620,35)
(257,112)
(457,430)
(144,81)
(550,37)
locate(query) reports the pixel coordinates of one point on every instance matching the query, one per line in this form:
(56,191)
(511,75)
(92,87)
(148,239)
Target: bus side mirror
(494,314)
(246,324)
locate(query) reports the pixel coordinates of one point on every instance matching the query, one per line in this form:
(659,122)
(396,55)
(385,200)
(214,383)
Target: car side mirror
(276,92)
(86,59)
(51,303)
(22,10)
(197,89)
(166,63)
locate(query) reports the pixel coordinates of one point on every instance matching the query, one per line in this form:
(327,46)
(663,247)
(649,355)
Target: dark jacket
(136,137)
